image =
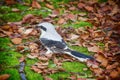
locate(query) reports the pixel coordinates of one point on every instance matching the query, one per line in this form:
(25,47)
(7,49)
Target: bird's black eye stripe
(42,27)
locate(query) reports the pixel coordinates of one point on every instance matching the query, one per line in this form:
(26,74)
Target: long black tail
(81,57)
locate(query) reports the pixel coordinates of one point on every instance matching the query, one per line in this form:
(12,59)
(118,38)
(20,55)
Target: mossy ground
(9,58)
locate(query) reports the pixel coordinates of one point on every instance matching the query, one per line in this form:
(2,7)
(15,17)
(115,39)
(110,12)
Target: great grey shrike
(54,43)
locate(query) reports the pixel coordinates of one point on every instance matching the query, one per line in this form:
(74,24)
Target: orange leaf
(89,8)
(114,74)
(35,4)
(102,59)
(49,6)
(16,40)
(61,21)
(94,49)
(4,76)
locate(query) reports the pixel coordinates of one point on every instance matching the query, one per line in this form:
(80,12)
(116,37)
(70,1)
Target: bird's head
(45,26)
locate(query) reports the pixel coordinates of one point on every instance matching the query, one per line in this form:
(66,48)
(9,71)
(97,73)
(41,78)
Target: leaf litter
(105,20)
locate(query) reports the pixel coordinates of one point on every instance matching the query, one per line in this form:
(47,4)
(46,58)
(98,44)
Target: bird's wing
(61,45)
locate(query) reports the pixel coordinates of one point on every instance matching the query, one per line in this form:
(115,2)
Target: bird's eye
(43,28)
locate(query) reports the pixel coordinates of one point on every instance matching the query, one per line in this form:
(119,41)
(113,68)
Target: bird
(54,43)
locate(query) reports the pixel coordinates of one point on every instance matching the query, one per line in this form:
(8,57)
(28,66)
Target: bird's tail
(81,57)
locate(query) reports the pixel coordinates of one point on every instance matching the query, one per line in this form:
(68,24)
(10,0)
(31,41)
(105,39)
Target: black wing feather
(51,43)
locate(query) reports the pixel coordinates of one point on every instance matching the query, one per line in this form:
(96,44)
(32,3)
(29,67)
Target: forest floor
(82,24)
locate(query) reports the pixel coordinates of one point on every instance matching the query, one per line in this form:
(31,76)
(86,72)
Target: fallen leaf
(16,40)
(4,77)
(36,69)
(43,58)
(28,31)
(61,21)
(33,46)
(27,18)
(114,74)
(10,2)
(35,4)
(88,8)
(72,8)
(47,78)
(94,49)
(73,36)
(6,27)
(71,17)
(81,5)
(15,10)
(73,77)
(112,66)
(97,71)
(31,56)
(49,6)
(82,18)
(102,59)
(82,79)
(84,36)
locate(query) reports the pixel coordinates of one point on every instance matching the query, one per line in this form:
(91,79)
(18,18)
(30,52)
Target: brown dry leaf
(82,79)
(4,77)
(102,59)
(33,46)
(55,60)
(31,56)
(73,77)
(71,17)
(82,18)
(72,8)
(98,33)
(27,18)
(84,36)
(112,66)
(92,64)
(49,6)
(73,36)
(47,78)
(88,8)
(35,4)
(97,71)
(6,27)
(118,69)
(94,48)
(81,5)
(10,2)
(36,69)
(28,31)
(56,12)
(16,40)
(34,32)
(114,74)
(21,48)
(43,58)
(61,21)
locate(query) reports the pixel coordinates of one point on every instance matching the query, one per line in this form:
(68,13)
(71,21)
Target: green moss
(76,67)
(101,1)
(78,24)
(14,74)
(59,76)
(8,59)
(32,75)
